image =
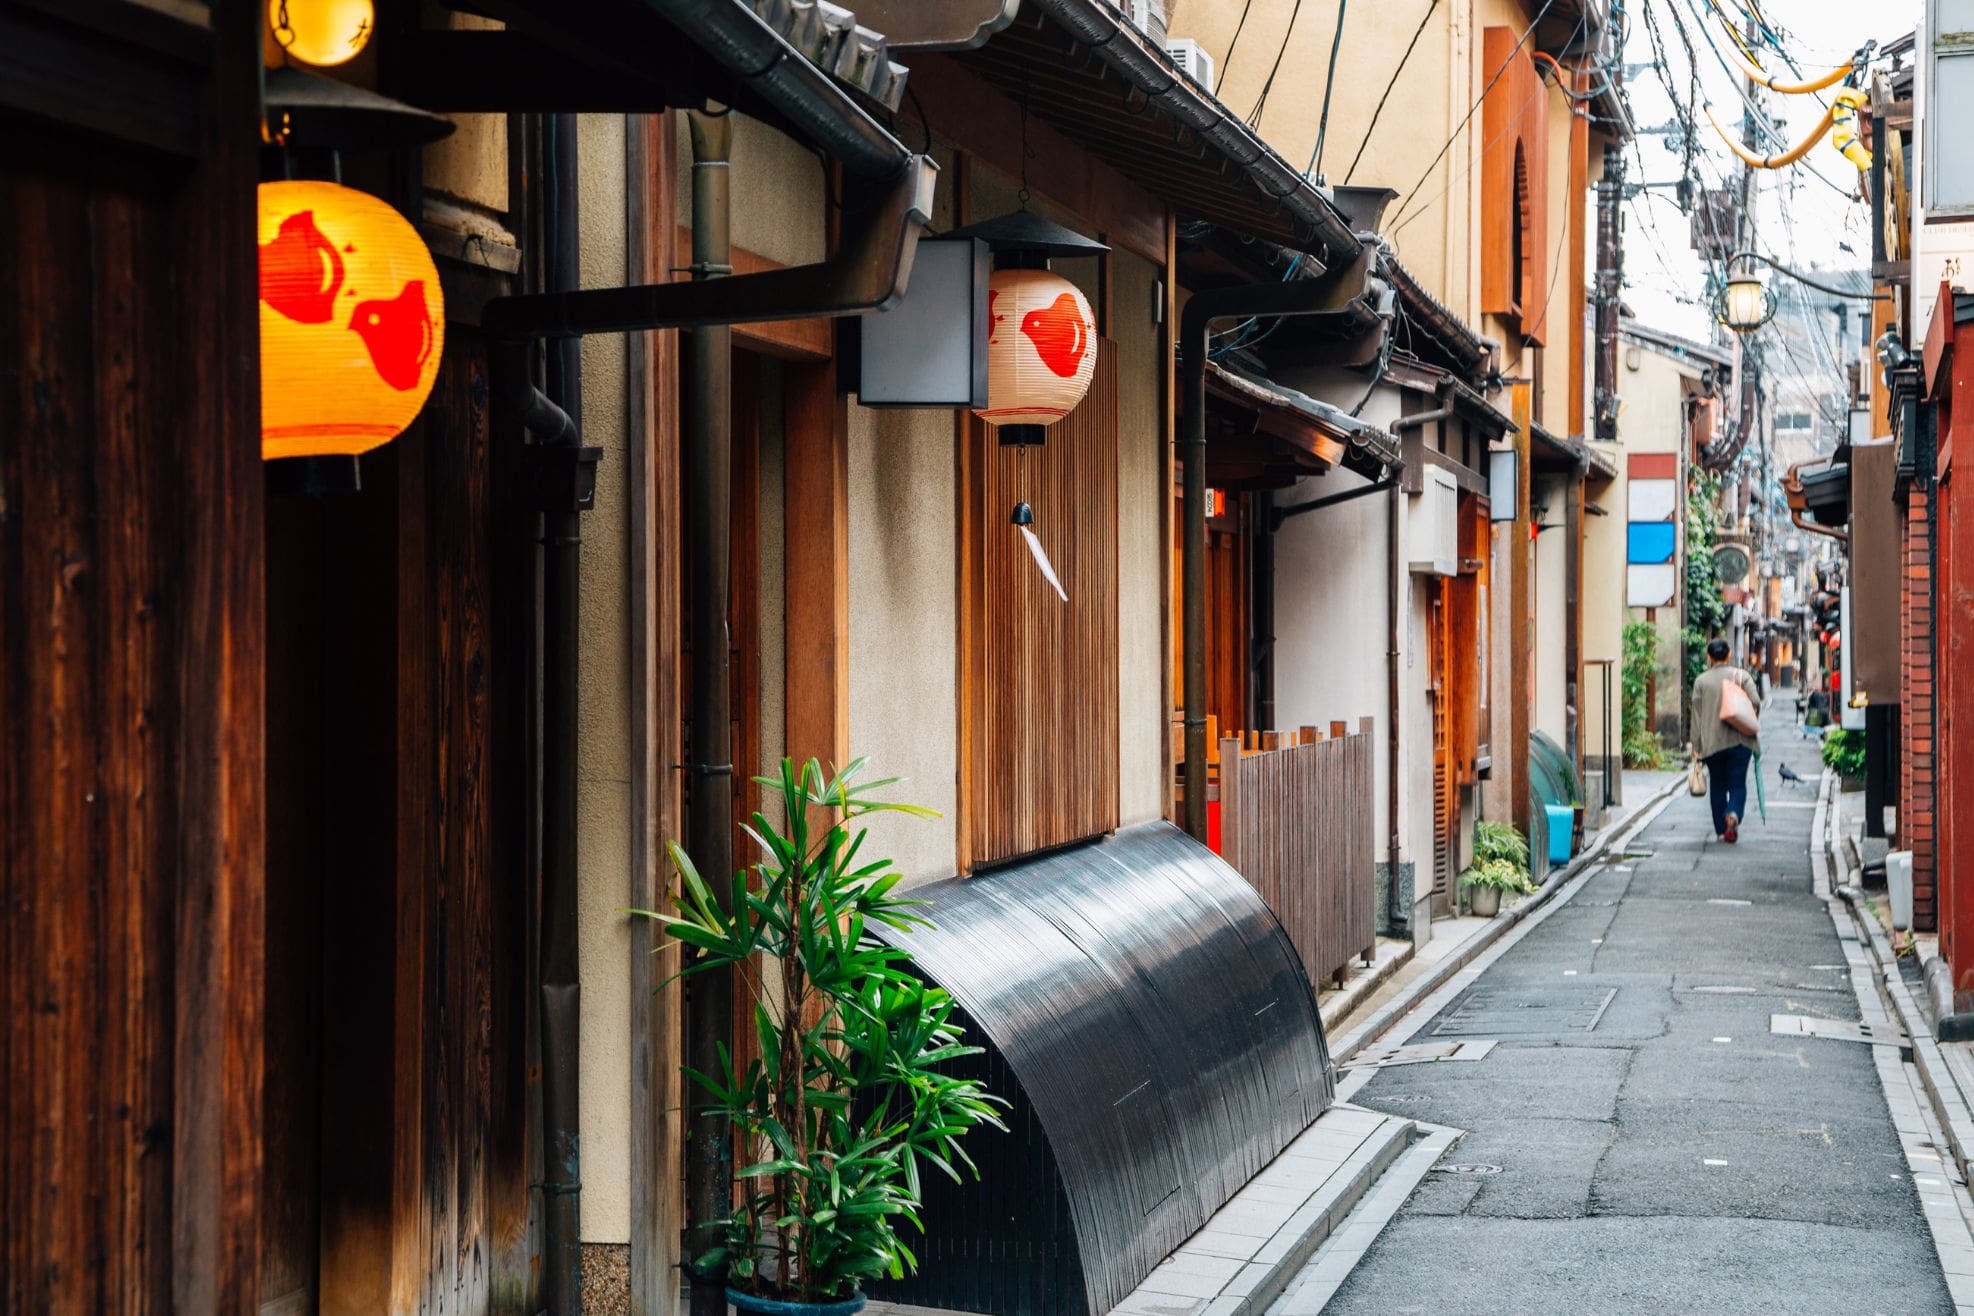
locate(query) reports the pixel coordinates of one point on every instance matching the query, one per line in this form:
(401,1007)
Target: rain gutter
(1104,28)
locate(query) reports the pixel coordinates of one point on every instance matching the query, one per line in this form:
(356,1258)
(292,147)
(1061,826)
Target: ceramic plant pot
(1484,900)
(747,1302)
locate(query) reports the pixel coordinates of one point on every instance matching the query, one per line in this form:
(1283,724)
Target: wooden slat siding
(1296,821)
(652,464)
(131,692)
(1041,676)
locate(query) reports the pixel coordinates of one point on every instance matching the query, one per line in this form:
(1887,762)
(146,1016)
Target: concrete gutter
(1837,884)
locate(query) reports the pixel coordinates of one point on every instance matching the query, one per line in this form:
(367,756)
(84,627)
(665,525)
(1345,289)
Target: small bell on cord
(1022,518)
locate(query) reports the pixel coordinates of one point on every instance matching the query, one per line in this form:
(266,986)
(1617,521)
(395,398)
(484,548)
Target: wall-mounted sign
(1503,484)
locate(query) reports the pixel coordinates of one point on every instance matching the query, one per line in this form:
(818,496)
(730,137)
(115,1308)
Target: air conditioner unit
(1141,13)
(1194,62)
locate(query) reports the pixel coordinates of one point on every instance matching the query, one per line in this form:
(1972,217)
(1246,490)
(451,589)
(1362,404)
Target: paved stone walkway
(1639,1140)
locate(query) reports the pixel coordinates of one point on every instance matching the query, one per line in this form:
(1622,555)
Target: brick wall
(1916,775)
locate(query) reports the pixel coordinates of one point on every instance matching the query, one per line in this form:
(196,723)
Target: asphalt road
(1676,1156)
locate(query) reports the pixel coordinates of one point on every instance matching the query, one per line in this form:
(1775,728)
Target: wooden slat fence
(1296,820)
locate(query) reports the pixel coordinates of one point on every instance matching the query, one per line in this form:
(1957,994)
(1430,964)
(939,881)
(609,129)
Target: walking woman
(1725,736)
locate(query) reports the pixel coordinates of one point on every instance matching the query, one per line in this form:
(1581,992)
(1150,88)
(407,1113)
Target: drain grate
(1384,1057)
(1836,1030)
(1467,1169)
(1497,1012)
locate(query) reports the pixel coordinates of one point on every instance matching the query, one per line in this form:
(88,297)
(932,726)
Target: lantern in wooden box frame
(352,322)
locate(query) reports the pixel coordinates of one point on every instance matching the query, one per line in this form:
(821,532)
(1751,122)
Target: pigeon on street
(1788,773)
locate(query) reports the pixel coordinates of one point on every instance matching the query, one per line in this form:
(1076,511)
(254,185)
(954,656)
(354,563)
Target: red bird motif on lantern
(398,333)
(1059,333)
(300,271)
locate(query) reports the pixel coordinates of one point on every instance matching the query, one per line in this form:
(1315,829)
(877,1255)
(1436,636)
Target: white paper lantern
(1041,347)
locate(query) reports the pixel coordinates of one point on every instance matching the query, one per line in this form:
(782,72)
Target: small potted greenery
(845,1104)
(1843,753)
(1500,864)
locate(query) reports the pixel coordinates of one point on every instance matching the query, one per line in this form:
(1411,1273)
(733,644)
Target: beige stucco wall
(1603,614)
(904,619)
(1551,587)
(1142,483)
(1426,103)
(603,792)
(1651,419)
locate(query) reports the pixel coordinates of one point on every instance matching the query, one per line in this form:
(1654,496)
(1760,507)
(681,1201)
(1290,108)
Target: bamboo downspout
(708,462)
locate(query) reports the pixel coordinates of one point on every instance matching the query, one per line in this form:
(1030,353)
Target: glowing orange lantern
(352,322)
(1041,347)
(321,32)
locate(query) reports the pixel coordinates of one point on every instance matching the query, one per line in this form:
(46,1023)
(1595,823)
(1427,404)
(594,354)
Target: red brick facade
(1916,773)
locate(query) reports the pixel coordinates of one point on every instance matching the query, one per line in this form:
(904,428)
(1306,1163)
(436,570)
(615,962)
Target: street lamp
(1745,305)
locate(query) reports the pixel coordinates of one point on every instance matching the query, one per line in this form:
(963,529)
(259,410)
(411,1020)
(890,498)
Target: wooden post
(1521,616)
(816,505)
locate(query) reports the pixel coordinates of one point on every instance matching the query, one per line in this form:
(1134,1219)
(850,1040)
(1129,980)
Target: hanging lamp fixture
(352,319)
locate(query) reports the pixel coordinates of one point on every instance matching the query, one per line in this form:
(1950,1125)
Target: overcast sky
(1804,219)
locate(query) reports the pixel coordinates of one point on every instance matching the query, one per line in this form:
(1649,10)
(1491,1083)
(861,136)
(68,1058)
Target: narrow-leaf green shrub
(846,1106)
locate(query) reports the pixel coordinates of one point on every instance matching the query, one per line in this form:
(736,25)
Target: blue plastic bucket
(1562,825)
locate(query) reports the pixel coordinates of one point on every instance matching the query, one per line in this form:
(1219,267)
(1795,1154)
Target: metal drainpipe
(1395,912)
(709,823)
(565,482)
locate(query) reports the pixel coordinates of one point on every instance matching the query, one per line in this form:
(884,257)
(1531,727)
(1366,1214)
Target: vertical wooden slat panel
(1296,822)
(131,690)
(1040,754)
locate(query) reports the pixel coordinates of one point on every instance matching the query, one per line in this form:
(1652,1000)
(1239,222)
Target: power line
(1377,113)
(1254,115)
(1475,107)
(1459,172)
(1329,85)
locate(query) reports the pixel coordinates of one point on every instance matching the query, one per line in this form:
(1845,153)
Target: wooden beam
(816,514)
(972,115)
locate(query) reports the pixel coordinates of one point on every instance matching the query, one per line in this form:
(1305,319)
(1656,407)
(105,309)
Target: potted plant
(845,1105)
(1843,753)
(1500,864)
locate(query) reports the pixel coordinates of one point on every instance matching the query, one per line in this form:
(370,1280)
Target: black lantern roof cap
(1025,231)
(311,111)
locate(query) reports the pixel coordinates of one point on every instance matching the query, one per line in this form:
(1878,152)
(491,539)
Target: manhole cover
(1492,1012)
(1467,1169)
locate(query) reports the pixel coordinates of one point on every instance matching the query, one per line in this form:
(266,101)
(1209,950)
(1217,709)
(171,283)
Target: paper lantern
(1041,347)
(321,32)
(352,322)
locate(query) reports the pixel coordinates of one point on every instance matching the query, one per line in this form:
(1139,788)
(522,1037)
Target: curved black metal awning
(1149,1020)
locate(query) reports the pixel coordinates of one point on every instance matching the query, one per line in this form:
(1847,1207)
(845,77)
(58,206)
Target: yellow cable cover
(1789,156)
(1843,114)
(1830,79)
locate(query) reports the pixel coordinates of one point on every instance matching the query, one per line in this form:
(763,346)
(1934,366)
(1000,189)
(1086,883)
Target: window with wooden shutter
(1039,676)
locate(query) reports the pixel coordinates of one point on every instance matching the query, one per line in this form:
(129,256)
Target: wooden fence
(1297,820)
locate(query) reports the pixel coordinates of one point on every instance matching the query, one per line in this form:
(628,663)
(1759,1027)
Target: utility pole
(1609,295)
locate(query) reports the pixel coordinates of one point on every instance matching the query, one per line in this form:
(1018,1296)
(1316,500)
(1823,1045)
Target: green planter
(747,1302)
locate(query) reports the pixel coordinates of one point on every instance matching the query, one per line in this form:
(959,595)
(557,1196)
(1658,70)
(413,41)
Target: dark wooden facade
(131,570)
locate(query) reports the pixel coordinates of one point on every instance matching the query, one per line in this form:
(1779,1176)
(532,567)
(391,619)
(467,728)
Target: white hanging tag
(1042,561)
